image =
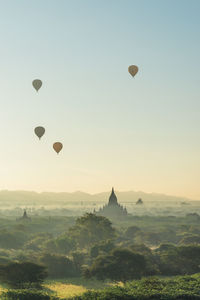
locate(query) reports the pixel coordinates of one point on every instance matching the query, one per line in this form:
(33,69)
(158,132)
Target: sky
(140,133)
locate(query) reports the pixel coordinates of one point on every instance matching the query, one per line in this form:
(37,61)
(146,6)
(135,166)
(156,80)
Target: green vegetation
(182,287)
(93,248)
(119,265)
(22,275)
(25,295)
(186,287)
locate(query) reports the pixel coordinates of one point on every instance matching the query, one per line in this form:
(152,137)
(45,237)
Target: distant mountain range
(8,198)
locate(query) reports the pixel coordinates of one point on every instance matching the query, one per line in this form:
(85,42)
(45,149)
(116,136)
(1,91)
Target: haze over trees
(92,247)
(39,246)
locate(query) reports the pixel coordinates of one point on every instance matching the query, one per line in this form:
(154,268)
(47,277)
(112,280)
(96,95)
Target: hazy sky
(134,134)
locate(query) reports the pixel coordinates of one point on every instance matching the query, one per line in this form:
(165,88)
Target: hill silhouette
(9,198)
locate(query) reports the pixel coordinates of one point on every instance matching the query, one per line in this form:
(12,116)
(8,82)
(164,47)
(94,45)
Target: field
(64,290)
(72,287)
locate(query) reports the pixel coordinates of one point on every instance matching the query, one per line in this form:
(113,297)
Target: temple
(139,202)
(24,217)
(113,208)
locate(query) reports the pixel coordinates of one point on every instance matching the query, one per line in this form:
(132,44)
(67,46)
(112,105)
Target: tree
(132,231)
(12,239)
(165,247)
(91,229)
(78,259)
(22,275)
(64,244)
(180,260)
(35,244)
(58,266)
(103,247)
(191,239)
(50,246)
(120,265)
(150,238)
(151,260)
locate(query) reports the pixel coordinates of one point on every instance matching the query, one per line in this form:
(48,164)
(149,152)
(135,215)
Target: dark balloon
(39,131)
(37,83)
(133,70)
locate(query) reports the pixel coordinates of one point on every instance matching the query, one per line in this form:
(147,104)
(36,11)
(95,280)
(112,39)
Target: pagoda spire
(112,198)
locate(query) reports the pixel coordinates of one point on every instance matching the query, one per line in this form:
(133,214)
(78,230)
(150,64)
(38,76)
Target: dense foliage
(22,275)
(91,229)
(26,295)
(95,247)
(119,265)
(186,287)
(69,247)
(183,287)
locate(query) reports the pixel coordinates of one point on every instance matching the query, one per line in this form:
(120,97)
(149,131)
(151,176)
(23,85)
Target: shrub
(58,266)
(22,275)
(119,265)
(25,295)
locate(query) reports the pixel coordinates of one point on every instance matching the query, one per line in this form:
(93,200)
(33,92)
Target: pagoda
(24,217)
(113,208)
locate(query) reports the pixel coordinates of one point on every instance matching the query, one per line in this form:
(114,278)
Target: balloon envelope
(39,131)
(57,147)
(37,83)
(133,70)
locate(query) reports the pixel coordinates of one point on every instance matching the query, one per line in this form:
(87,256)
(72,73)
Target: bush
(119,265)
(25,295)
(22,275)
(103,247)
(179,260)
(152,288)
(132,231)
(12,239)
(91,229)
(59,266)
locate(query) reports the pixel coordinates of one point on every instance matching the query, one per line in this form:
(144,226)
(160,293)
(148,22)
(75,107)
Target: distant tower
(25,215)
(112,198)
(139,201)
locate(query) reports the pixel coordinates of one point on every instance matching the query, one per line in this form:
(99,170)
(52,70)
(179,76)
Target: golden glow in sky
(140,133)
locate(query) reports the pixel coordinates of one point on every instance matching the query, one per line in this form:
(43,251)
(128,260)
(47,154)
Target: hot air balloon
(39,131)
(57,147)
(133,70)
(37,83)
